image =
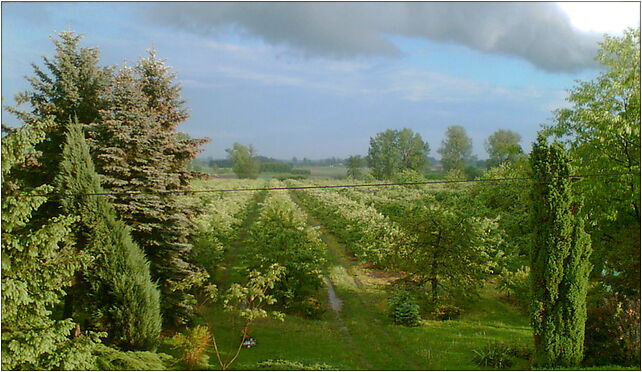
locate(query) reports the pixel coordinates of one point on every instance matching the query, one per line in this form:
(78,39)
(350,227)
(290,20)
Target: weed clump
(447,312)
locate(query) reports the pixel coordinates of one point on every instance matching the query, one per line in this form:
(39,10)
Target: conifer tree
(559,261)
(38,264)
(136,149)
(72,84)
(122,298)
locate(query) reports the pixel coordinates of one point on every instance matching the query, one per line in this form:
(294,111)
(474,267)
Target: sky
(320,79)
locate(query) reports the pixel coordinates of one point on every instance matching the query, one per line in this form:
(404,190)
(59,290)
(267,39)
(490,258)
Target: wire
(130,193)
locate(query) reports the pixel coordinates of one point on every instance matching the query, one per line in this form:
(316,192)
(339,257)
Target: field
(359,335)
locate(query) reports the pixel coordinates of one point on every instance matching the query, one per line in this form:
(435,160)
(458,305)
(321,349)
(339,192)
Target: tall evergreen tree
(137,150)
(71,85)
(559,261)
(121,296)
(38,264)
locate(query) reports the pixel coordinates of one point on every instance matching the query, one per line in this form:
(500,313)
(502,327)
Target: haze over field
(319,79)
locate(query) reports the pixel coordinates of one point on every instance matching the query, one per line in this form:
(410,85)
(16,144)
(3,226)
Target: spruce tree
(137,149)
(559,261)
(71,84)
(38,264)
(121,296)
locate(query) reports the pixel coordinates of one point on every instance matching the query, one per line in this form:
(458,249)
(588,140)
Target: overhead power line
(187,192)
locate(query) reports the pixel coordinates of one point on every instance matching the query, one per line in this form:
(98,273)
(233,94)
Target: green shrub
(516,286)
(312,308)
(447,312)
(612,333)
(108,359)
(494,355)
(403,309)
(193,346)
(291,365)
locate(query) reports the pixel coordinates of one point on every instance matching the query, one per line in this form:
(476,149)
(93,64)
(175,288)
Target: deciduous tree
(393,150)
(602,129)
(456,149)
(503,146)
(244,159)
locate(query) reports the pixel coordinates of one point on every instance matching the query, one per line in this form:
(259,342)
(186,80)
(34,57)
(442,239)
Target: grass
(360,336)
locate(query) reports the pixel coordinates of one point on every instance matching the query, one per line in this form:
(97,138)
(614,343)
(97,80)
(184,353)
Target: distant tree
(244,159)
(456,149)
(38,265)
(602,130)
(394,150)
(503,146)
(118,285)
(560,264)
(354,164)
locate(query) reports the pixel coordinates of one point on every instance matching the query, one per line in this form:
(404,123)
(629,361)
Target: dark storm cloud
(537,32)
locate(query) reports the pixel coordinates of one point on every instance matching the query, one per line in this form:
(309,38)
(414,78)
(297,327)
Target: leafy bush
(516,286)
(447,312)
(193,345)
(494,355)
(290,365)
(312,308)
(403,309)
(612,333)
(108,359)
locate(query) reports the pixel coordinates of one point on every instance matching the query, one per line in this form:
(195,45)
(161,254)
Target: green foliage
(456,149)
(109,359)
(394,150)
(602,129)
(136,149)
(119,291)
(193,345)
(276,167)
(281,235)
(507,202)
(248,303)
(612,332)
(494,355)
(244,159)
(71,86)
(38,265)
(403,309)
(447,312)
(446,245)
(560,264)
(503,146)
(354,164)
(291,365)
(516,286)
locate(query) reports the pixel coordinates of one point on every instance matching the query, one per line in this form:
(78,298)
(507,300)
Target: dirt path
(343,271)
